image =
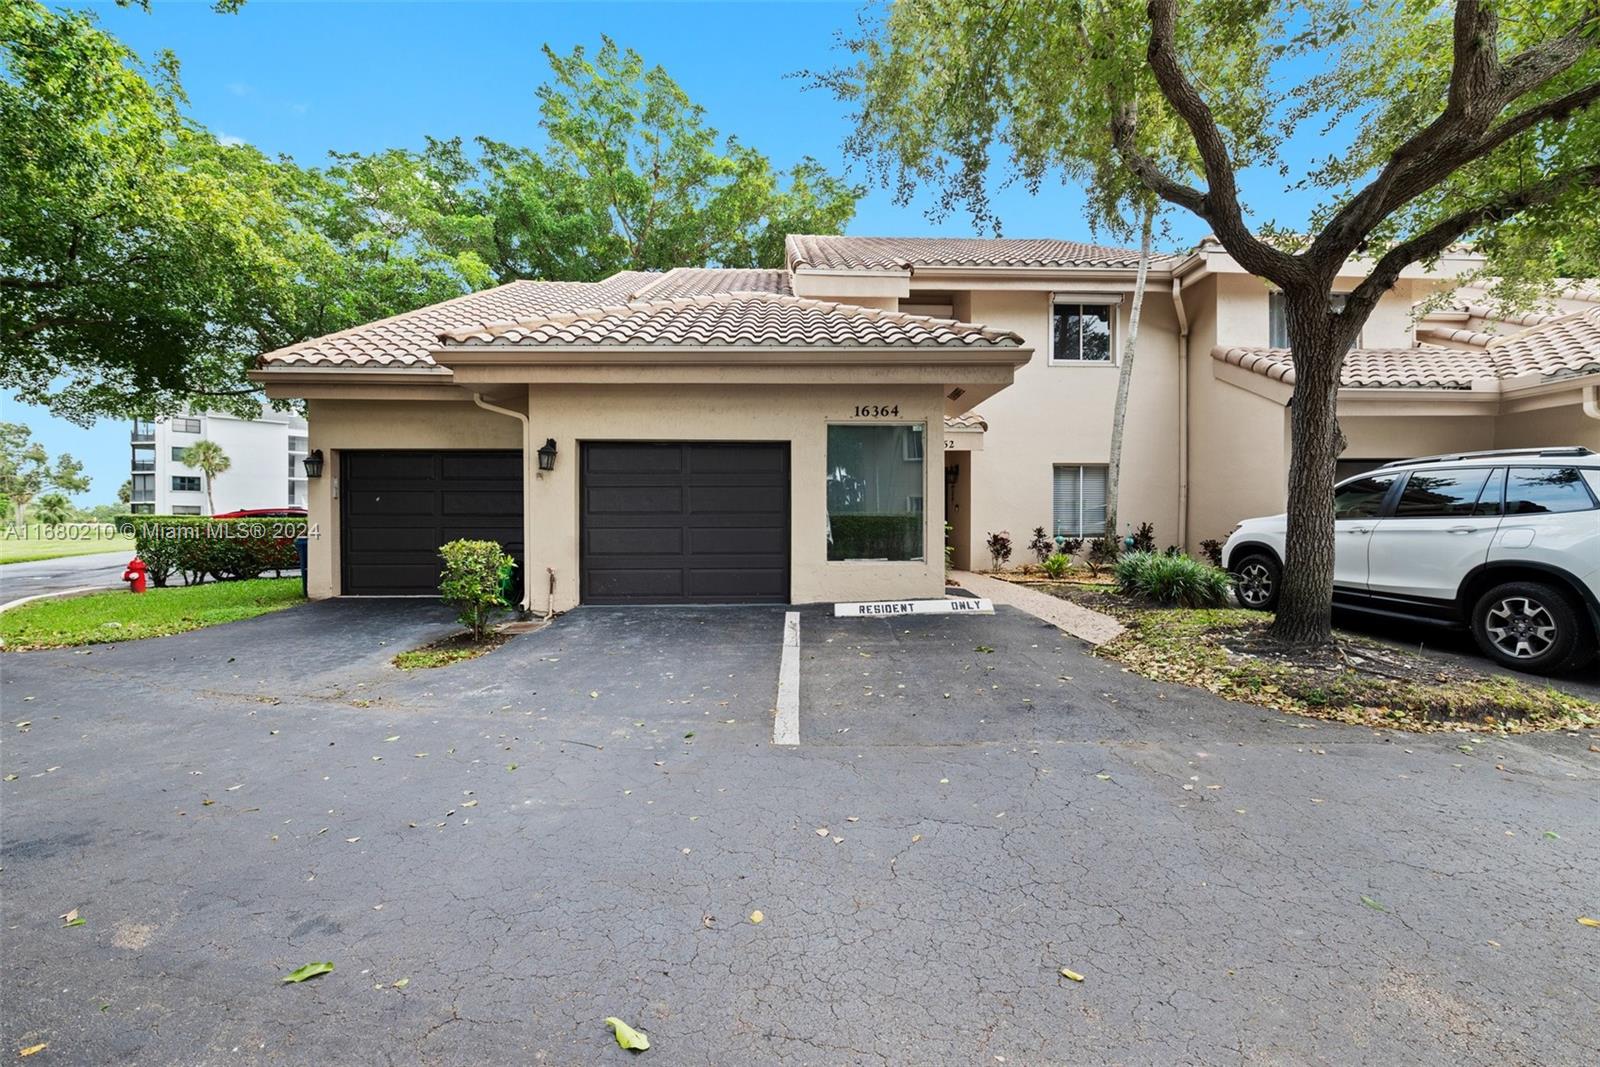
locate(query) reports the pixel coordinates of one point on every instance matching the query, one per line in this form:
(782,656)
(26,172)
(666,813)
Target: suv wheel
(1528,626)
(1256,580)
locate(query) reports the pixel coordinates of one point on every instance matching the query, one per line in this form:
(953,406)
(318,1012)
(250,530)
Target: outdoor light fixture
(313,464)
(547,455)
(952,475)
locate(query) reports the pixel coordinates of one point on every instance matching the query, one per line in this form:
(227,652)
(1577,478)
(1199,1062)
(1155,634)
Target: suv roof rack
(1563,450)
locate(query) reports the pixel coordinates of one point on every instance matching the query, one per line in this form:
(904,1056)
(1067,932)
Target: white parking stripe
(786,724)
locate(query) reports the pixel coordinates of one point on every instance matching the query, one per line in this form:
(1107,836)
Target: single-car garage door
(399,507)
(692,523)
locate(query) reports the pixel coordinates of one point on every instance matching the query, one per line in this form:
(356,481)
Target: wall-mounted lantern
(547,455)
(313,464)
(952,475)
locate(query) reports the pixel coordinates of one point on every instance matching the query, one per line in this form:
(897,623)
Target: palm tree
(209,459)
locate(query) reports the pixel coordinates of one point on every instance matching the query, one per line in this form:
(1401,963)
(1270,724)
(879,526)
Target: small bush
(1057,564)
(999,548)
(1172,581)
(1070,546)
(1042,546)
(1211,548)
(891,537)
(474,572)
(1144,538)
(1103,551)
(198,547)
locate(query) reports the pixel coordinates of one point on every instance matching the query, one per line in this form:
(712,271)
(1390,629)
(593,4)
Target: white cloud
(240,88)
(230,140)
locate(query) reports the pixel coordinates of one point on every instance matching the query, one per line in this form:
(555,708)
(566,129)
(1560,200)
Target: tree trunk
(211,504)
(1119,413)
(1319,342)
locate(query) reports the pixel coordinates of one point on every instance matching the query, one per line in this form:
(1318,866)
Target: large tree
(26,470)
(1442,124)
(144,264)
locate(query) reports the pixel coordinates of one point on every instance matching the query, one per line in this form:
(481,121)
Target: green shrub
(1000,548)
(1103,551)
(474,575)
(198,547)
(1056,564)
(894,537)
(1172,581)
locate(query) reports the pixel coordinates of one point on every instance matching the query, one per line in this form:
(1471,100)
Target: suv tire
(1257,577)
(1527,626)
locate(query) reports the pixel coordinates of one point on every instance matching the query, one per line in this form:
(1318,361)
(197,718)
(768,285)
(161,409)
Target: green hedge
(875,537)
(196,547)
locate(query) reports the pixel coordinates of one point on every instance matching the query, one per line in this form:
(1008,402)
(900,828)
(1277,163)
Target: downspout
(527,492)
(1591,401)
(1183,413)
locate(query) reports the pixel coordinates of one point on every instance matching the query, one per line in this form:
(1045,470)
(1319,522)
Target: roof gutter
(527,492)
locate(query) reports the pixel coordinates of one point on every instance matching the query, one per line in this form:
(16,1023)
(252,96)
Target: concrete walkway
(1080,622)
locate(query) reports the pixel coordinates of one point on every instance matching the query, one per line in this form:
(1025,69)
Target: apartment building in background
(265,462)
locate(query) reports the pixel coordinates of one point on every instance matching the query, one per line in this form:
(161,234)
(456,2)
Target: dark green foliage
(1171,581)
(1043,545)
(999,548)
(1211,548)
(1070,546)
(473,582)
(197,547)
(1103,551)
(1144,538)
(892,537)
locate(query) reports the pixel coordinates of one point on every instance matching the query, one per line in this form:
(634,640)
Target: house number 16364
(877,411)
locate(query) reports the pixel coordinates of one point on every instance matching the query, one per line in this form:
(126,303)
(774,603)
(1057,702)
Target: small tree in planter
(1000,548)
(473,575)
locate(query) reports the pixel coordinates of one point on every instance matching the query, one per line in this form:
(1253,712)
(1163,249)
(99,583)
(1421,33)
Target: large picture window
(875,484)
(1080,501)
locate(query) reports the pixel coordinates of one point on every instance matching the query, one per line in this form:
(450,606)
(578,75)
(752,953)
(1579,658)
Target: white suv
(1505,542)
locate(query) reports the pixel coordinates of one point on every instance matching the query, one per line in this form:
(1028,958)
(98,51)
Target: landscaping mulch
(448,650)
(1355,679)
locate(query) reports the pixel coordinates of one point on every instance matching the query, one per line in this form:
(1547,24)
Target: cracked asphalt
(581,823)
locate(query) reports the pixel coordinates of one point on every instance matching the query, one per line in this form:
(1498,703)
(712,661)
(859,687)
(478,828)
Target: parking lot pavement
(495,859)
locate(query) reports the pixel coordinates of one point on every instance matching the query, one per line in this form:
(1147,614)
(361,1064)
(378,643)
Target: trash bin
(300,550)
(509,586)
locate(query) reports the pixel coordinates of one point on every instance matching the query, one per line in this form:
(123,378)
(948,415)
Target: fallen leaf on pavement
(402,983)
(1585,920)
(33,1049)
(1074,975)
(822,831)
(72,918)
(756,916)
(1373,904)
(627,1036)
(310,970)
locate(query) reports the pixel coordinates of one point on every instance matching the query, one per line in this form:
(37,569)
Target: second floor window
(1080,333)
(184,483)
(185,425)
(1278,317)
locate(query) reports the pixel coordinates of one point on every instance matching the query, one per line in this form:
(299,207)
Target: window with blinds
(1080,501)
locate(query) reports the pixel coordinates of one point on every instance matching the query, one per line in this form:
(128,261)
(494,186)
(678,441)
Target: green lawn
(52,542)
(122,616)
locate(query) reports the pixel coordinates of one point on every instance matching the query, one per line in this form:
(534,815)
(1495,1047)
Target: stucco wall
(1062,415)
(796,414)
(1405,437)
(1566,425)
(340,424)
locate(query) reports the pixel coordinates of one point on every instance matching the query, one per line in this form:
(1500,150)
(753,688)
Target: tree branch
(1442,234)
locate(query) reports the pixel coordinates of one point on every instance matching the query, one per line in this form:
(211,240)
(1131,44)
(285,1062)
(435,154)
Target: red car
(263,513)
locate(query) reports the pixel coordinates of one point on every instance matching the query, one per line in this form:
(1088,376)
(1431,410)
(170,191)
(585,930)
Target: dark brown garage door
(699,523)
(399,507)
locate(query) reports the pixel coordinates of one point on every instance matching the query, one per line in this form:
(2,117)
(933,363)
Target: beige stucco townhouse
(800,435)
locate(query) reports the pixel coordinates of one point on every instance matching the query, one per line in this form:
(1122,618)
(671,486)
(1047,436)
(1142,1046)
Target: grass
(35,542)
(123,616)
(452,649)
(1228,651)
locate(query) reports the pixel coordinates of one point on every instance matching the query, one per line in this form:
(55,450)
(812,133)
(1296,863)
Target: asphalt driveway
(499,854)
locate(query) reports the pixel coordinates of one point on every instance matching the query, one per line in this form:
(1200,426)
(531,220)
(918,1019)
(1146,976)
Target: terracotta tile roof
(1416,368)
(967,420)
(708,281)
(906,253)
(736,320)
(1558,348)
(405,340)
(1453,336)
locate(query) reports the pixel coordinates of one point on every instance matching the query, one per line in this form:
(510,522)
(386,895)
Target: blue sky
(305,77)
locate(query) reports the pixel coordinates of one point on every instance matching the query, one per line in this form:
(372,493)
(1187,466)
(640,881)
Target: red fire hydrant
(135,576)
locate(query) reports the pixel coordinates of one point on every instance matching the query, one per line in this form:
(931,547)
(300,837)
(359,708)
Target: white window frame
(1336,302)
(1080,468)
(1112,303)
